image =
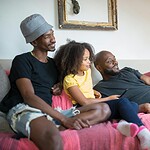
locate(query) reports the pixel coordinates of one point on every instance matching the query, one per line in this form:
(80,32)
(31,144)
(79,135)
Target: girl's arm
(78,96)
(112,97)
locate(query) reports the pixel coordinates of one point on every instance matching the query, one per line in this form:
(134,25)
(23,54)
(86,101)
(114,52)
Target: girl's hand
(113,97)
(97,94)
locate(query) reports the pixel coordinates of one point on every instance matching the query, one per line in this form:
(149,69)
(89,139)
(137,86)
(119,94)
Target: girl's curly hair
(68,57)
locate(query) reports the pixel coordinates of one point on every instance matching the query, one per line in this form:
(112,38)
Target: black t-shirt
(127,78)
(42,75)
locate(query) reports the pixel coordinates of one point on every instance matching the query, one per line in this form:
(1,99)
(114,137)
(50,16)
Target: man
(116,81)
(33,78)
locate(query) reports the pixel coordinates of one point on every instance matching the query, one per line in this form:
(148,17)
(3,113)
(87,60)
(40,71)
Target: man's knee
(49,140)
(54,137)
(45,134)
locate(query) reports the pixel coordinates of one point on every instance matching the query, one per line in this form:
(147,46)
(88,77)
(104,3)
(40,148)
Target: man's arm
(26,89)
(146,79)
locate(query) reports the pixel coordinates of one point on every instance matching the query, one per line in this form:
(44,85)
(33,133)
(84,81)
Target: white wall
(130,41)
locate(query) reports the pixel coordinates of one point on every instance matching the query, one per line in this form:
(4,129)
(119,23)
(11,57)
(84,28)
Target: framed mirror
(87,14)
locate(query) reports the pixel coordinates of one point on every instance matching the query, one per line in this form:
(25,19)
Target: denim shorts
(20,116)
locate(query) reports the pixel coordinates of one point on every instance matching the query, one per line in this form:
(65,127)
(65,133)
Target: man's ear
(34,43)
(98,67)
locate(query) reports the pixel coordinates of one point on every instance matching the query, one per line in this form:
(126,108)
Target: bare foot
(145,108)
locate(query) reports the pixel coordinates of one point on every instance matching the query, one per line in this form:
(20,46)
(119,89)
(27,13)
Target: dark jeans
(124,109)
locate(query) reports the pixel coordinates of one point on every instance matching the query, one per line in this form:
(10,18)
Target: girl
(73,61)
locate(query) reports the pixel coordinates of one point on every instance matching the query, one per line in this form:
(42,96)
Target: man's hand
(75,123)
(56,89)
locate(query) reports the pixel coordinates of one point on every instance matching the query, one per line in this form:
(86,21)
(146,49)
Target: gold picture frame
(69,20)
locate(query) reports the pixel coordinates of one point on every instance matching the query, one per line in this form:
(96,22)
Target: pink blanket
(99,137)
(61,101)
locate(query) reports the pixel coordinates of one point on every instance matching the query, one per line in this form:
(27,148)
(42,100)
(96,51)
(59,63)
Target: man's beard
(111,72)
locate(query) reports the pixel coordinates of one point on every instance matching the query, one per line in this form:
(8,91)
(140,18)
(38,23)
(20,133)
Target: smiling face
(46,41)
(85,65)
(107,64)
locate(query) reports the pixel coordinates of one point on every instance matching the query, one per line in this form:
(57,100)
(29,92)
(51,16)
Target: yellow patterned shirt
(83,82)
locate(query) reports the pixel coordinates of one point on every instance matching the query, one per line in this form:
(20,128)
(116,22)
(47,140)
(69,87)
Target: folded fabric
(61,101)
